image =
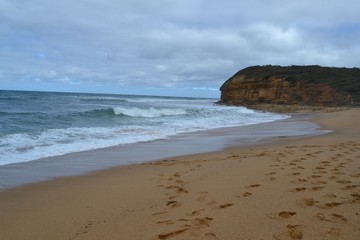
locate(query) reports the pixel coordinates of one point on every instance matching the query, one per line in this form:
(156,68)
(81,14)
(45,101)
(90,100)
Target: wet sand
(287,188)
(81,163)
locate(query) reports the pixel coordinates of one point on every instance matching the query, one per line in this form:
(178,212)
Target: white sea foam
(116,123)
(27,147)
(148,112)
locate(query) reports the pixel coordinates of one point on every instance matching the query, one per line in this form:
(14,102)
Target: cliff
(293,85)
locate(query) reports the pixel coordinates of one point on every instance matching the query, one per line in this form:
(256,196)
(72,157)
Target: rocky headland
(293,87)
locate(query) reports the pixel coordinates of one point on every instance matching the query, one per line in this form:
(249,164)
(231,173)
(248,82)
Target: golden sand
(306,188)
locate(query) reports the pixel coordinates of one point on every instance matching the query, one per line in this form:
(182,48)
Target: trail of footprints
(192,223)
(325,172)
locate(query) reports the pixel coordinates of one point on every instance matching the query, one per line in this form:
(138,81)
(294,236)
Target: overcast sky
(167,47)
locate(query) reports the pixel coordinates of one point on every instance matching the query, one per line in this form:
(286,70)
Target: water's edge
(80,163)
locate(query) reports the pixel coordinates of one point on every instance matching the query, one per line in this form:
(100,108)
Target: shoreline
(85,162)
(285,188)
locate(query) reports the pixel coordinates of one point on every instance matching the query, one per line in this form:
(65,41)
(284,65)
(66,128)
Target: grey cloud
(171,42)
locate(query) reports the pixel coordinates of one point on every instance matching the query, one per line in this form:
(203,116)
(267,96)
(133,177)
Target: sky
(167,47)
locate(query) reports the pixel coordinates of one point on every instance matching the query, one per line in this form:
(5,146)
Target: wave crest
(148,112)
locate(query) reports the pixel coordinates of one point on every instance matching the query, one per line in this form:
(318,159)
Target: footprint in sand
(247,194)
(329,205)
(318,182)
(330,195)
(315,176)
(197,212)
(292,232)
(272,178)
(320,216)
(334,217)
(280,215)
(356,197)
(317,188)
(195,225)
(274,165)
(173,204)
(178,189)
(181,190)
(299,189)
(334,232)
(210,236)
(350,187)
(201,222)
(166,222)
(338,217)
(299,180)
(172,197)
(306,202)
(343,181)
(177,175)
(226,205)
(253,186)
(172,234)
(325,162)
(295,232)
(234,156)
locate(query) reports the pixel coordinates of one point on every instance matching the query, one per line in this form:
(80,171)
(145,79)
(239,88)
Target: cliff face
(304,85)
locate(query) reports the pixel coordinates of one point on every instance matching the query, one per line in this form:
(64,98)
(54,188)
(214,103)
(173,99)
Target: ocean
(36,125)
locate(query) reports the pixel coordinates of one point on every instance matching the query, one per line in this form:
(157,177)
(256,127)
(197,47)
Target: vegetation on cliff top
(343,79)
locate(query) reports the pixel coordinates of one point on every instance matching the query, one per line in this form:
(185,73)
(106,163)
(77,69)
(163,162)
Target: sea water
(35,125)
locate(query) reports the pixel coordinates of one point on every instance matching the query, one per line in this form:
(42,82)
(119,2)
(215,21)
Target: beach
(279,188)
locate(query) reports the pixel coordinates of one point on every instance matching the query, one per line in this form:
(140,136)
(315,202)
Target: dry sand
(305,188)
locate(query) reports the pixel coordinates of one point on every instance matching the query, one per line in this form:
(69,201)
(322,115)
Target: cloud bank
(168,44)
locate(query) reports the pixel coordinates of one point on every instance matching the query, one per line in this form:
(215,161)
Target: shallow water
(183,144)
(36,125)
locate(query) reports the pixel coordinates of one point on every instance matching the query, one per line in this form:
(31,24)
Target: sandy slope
(290,189)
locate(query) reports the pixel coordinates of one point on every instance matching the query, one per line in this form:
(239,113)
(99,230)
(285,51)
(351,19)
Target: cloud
(276,38)
(170,43)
